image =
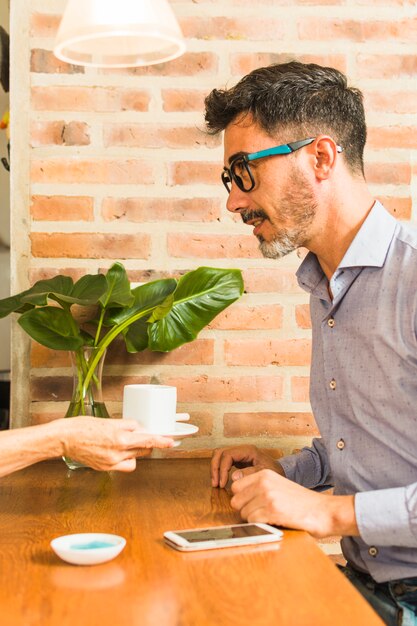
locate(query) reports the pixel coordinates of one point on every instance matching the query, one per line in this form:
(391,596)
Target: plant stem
(100,324)
(82,371)
(107,339)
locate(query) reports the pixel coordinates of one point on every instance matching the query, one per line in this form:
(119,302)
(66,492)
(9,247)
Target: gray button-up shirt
(364,392)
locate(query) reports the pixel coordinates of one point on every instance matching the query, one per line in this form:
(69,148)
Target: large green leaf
(51,327)
(199,297)
(118,288)
(14,304)
(136,335)
(36,295)
(86,291)
(39,293)
(146,298)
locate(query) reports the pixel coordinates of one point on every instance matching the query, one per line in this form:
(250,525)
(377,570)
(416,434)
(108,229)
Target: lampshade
(118,33)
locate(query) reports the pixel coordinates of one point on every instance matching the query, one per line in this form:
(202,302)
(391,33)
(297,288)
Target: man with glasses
(294,136)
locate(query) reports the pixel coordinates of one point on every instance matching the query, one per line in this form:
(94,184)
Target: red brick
(392,136)
(143,276)
(189,64)
(51,388)
(300,388)
(59,133)
(183,100)
(212,246)
(392,102)
(78,170)
(381,3)
(41,357)
(198,352)
(44,62)
(243,317)
(200,388)
(400,208)
(243,3)
(319,2)
(161,136)
(269,424)
(389,66)
(243,63)
(113,385)
(62,208)
(276,280)
(302,315)
(90,245)
(388,173)
(133,99)
(46,133)
(261,352)
(161,209)
(321,29)
(205,388)
(240,28)
(59,388)
(44,24)
(192,172)
(43,273)
(76,134)
(100,99)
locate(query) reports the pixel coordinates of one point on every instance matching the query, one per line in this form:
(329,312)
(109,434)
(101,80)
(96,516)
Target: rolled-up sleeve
(309,467)
(388,517)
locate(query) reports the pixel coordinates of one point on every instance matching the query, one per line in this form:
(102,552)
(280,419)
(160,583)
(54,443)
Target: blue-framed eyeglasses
(240,173)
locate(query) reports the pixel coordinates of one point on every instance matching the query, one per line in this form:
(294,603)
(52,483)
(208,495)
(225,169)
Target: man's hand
(248,459)
(270,498)
(106,444)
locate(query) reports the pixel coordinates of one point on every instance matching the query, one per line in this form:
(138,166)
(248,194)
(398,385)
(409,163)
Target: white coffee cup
(153,406)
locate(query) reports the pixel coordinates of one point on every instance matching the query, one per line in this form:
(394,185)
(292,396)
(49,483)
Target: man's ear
(325,156)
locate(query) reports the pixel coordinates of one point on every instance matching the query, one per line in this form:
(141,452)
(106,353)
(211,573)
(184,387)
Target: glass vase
(87,397)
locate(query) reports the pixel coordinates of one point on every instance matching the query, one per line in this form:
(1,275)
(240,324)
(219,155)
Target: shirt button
(399,589)
(330,322)
(340,444)
(332,384)
(373,551)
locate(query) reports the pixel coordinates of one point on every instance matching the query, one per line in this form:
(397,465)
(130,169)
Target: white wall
(4,215)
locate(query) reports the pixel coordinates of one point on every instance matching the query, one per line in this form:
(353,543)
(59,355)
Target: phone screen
(229,532)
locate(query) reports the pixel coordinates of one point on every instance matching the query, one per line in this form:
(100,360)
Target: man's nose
(237,200)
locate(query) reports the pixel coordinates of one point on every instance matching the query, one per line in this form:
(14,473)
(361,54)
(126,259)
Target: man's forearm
(340,514)
(24,446)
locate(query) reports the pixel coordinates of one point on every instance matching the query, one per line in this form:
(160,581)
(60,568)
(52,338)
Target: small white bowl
(88,548)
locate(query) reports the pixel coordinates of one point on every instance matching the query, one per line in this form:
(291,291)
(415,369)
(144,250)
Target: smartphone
(222,536)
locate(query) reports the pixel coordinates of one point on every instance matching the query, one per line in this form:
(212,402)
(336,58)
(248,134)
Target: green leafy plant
(160,315)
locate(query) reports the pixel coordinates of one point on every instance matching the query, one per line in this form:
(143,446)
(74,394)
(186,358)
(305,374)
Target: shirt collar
(368,249)
(370,246)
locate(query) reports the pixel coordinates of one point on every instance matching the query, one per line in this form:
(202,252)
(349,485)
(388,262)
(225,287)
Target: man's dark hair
(305,98)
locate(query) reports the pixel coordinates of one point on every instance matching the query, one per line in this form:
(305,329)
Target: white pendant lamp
(118,33)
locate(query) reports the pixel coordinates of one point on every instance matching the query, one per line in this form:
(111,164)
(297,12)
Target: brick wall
(120,169)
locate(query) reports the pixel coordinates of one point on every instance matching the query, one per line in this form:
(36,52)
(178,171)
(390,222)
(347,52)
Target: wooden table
(149,584)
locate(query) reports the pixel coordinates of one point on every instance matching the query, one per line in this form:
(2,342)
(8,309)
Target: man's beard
(297,205)
(281,245)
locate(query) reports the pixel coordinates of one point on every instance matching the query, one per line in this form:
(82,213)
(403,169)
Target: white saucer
(181,430)
(88,548)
